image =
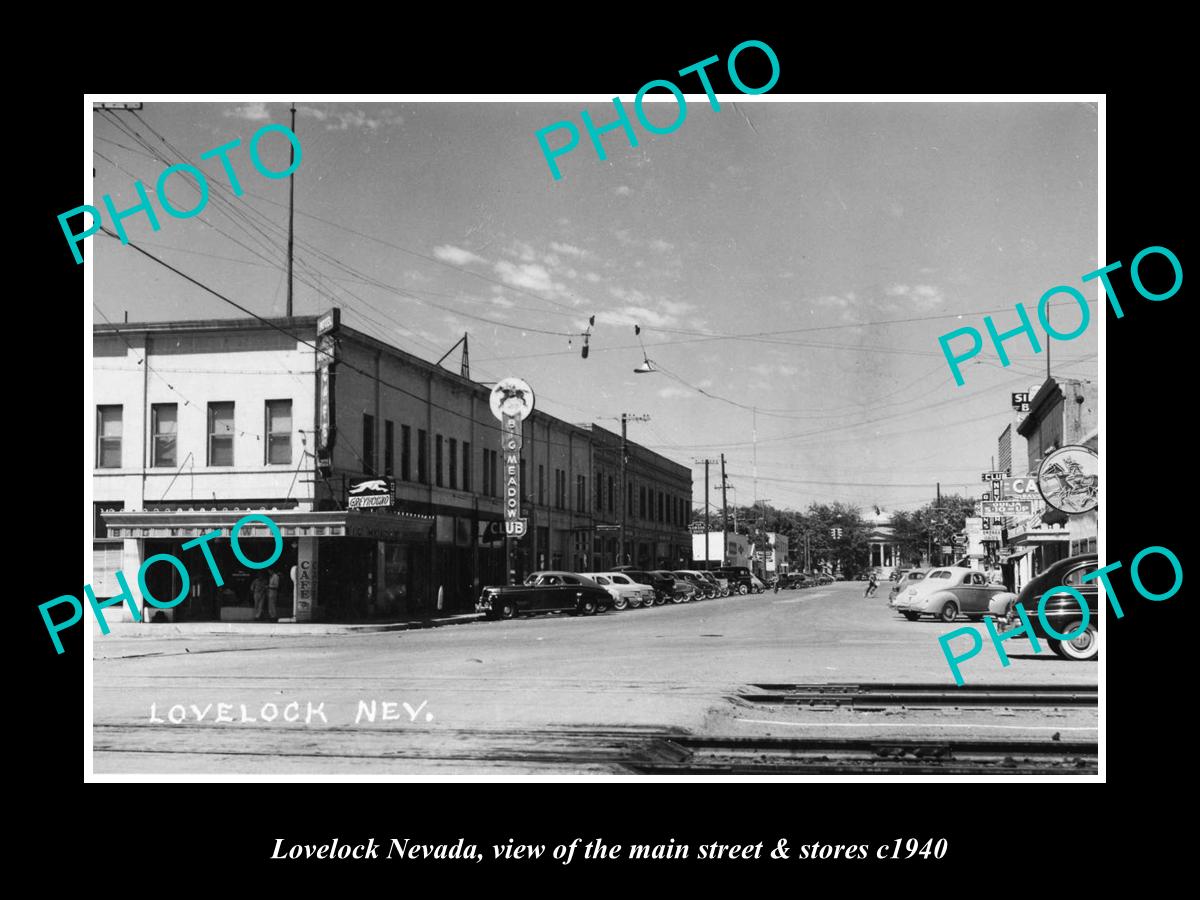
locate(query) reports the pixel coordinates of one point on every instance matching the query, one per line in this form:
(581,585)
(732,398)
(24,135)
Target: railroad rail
(875,695)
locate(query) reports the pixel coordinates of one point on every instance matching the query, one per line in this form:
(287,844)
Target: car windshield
(915,576)
(941,573)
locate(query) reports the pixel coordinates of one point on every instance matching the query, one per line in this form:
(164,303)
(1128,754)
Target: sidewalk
(282,628)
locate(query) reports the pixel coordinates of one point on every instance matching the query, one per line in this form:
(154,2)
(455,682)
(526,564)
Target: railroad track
(598,750)
(784,756)
(878,696)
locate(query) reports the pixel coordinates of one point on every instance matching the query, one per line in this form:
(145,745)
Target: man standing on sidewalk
(258,590)
(273,594)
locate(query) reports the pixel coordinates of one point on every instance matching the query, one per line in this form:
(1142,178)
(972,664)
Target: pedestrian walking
(777,584)
(273,594)
(872,585)
(258,590)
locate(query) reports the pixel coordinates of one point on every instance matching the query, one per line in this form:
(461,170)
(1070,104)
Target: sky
(791,265)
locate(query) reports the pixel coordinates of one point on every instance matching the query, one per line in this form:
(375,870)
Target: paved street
(522,697)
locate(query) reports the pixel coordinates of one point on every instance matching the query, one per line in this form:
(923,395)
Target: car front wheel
(1084,648)
(950,612)
(620,603)
(586,606)
(742,589)
(508,609)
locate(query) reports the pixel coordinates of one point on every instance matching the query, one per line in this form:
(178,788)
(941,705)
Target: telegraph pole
(724,513)
(291,209)
(707,504)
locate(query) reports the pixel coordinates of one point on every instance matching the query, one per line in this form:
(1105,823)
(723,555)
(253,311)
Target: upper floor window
(279,432)
(389,447)
(164,428)
(437,459)
(368,444)
(406,452)
(422,456)
(108,437)
(220,434)
(453,463)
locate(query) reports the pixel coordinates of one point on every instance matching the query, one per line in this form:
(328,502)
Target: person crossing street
(872,585)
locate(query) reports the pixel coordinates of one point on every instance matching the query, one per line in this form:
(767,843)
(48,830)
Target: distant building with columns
(884,551)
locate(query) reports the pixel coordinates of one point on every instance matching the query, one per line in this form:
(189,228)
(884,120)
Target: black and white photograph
(699,433)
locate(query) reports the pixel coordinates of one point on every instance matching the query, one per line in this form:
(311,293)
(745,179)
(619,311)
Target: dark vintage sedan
(1062,611)
(543,592)
(663,586)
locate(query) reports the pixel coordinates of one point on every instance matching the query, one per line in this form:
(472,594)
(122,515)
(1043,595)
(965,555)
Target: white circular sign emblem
(1068,479)
(511,397)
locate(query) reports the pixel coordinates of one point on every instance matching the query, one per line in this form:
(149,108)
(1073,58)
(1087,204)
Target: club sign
(512,402)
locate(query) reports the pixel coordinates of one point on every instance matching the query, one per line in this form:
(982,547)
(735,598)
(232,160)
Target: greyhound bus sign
(1068,481)
(512,402)
(367,492)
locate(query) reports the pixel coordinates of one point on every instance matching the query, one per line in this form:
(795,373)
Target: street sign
(1008,507)
(1020,401)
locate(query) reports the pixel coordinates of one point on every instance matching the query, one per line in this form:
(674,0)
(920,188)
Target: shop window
(279,432)
(389,447)
(453,463)
(108,437)
(437,459)
(422,456)
(220,434)
(368,444)
(406,452)
(164,426)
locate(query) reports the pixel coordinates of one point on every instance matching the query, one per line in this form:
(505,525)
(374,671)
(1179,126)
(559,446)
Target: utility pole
(625,418)
(707,504)
(724,513)
(291,209)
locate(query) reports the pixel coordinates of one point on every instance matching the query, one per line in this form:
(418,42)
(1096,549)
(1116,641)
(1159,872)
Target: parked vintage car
(624,591)
(721,583)
(543,592)
(705,589)
(906,579)
(663,586)
(1062,610)
(682,591)
(949,591)
(738,577)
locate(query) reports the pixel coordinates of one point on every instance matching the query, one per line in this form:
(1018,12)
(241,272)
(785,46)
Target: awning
(189,523)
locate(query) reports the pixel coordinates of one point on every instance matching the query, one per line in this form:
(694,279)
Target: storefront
(340,566)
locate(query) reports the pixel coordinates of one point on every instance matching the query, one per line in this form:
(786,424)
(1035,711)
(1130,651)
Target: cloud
(569,250)
(530,276)
(255,112)
(623,191)
(457,255)
(921,297)
(342,119)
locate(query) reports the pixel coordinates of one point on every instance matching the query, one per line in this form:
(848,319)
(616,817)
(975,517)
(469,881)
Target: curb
(274,629)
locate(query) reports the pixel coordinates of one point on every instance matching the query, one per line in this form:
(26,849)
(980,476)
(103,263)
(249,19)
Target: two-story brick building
(199,423)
